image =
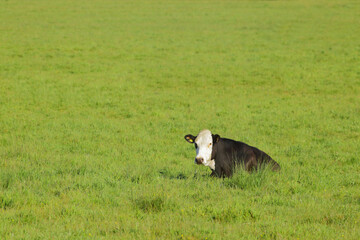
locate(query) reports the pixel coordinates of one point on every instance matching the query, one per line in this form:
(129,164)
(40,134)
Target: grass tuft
(233,214)
(149,204)
(245,180)
(6,202)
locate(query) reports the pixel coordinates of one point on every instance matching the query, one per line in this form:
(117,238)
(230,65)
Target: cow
(223,155)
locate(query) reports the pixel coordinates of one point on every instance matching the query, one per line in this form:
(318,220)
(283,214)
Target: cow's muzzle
(199,160)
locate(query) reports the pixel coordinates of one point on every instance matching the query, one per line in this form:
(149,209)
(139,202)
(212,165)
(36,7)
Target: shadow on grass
(6,202)
(149,204)
(171,175)
(232,214)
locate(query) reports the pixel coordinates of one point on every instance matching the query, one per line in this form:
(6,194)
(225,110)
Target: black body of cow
(229,154)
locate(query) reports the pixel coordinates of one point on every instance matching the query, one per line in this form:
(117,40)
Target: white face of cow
(203,145)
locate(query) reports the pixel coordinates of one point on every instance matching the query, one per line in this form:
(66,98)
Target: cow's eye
(209,144)
(195,145)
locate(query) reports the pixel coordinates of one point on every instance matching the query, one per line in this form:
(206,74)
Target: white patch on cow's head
(204,145)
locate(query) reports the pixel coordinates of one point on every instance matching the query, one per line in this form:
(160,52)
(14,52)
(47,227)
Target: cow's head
(204,144)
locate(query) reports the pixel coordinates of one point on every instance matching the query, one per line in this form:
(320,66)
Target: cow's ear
(216,138)
(190,138)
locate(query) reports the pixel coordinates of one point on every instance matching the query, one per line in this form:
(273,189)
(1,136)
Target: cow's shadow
(167,173)
(172,175)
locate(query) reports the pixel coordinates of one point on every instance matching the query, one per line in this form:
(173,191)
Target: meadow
(96,97)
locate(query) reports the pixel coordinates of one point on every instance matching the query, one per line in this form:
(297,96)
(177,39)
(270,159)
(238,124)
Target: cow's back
(230,154)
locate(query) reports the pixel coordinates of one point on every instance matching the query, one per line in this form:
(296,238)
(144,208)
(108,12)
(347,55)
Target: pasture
(96,97)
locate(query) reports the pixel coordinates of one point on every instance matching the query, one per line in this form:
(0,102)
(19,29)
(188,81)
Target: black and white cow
(222,155)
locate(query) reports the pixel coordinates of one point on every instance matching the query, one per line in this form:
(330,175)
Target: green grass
(96,96)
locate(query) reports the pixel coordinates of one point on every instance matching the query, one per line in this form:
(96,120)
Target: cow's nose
(199,160)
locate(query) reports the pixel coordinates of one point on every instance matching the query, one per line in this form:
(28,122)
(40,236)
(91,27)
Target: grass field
(96,96)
